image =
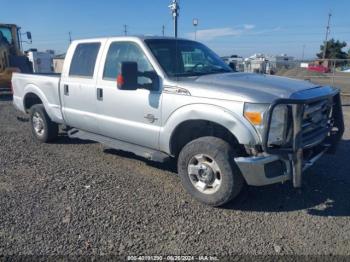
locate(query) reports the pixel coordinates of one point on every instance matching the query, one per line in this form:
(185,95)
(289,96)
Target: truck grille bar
(314,121)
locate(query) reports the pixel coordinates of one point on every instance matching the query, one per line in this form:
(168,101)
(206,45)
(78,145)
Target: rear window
(84,60)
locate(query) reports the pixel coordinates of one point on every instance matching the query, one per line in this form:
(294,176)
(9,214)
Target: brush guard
(294,149)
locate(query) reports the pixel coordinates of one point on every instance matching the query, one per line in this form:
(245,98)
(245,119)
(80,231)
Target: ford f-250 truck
(164,97)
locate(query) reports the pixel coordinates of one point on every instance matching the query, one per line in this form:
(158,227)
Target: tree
(334,50)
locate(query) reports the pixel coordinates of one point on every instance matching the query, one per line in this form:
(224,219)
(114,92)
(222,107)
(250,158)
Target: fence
(333,72)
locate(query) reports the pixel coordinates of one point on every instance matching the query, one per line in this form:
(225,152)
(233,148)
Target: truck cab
(12,58)
(175,98)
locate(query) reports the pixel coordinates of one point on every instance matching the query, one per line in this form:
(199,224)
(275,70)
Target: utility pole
(70,37)
(163,30)
(327,33)
(195,24)
(303,54)
(174,7)
(125,30)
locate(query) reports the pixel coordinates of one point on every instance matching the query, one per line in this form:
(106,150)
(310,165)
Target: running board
(145,152)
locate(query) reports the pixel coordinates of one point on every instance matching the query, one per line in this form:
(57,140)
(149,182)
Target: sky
(227,26)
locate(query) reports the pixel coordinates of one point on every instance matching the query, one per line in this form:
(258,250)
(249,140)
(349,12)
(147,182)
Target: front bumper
(278,164)
(271,169)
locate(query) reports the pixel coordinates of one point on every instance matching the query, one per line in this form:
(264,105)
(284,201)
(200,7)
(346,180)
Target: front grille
(316,122)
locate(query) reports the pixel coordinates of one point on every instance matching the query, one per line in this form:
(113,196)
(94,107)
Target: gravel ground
(75,197)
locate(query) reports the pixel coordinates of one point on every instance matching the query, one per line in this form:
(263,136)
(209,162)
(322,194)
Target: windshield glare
(186,58)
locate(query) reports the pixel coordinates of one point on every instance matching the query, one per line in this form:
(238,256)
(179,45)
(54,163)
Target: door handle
(66,90)
(99,93)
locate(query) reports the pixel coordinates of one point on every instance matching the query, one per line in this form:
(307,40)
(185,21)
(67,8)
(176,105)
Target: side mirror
(127,80)
(154,86)
(29,36)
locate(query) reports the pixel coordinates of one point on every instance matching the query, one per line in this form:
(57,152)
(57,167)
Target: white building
(281,61)
(58,63)
(256,63)
(41,61)
(260,63)
(235,62)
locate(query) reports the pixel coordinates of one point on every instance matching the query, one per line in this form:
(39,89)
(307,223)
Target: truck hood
(247,87)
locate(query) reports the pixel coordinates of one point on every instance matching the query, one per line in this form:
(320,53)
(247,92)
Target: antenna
(174,7)
(163,30)
(70,37)
(326,38)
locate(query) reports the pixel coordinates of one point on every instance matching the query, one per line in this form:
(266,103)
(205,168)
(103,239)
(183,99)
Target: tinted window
(125,52)
(186,58)
(84,59)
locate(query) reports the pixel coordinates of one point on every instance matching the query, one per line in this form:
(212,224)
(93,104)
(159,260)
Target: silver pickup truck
(174,98)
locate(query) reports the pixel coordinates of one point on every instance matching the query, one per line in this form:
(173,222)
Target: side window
(84,60)
(125,52)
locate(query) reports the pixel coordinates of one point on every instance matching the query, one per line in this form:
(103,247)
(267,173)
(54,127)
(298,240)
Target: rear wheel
(208,171)
(43,128)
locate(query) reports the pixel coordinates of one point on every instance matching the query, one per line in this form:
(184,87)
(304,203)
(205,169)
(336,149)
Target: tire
(43,128)
(210,161)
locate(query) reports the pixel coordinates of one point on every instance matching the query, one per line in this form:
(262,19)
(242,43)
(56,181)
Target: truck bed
(46,86)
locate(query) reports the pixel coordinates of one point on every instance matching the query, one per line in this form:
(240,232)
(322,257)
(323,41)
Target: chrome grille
(316,121)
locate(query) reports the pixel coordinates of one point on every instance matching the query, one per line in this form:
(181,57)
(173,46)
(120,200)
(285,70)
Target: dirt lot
(74,197)
(338,79)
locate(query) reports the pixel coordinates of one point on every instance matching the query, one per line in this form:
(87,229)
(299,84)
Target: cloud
(210,34)
(248,26)
(267,31)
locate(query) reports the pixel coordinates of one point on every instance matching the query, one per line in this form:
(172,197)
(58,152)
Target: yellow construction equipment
(12,58)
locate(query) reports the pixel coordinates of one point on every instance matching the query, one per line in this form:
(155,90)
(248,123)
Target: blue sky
(227,26)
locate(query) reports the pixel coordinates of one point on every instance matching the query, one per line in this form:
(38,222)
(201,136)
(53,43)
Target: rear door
(78,86)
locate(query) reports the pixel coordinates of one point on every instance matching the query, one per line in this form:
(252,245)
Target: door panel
(128,115)
(79,105)
(78,88)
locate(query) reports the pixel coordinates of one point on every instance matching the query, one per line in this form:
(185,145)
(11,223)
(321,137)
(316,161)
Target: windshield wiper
(212,71)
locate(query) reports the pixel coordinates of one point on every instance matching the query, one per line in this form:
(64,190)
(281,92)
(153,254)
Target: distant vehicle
(12,58)
(318,68)
(174,98)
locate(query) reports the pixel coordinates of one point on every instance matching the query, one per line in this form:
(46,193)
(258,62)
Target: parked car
(318,68)
(174,98)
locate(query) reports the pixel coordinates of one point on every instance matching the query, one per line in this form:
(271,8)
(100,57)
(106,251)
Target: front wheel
(208,171)
(43,128)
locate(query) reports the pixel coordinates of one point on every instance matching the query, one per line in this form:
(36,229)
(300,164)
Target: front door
(128,115)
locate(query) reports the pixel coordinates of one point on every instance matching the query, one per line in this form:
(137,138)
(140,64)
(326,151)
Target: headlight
(278,128)
(256,114)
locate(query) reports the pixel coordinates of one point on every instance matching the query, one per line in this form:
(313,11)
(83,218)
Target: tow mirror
(29,36)
(127,80)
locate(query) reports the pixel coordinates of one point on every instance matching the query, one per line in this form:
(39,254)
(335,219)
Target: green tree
(334,50)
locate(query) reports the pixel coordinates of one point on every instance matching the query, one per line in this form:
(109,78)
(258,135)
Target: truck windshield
(186,58)
(5,35)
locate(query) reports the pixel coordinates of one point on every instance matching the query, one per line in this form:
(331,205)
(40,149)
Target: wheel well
(31,99)
(193,129)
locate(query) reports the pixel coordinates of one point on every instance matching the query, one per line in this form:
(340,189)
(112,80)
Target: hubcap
(38,124)
(204,174)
